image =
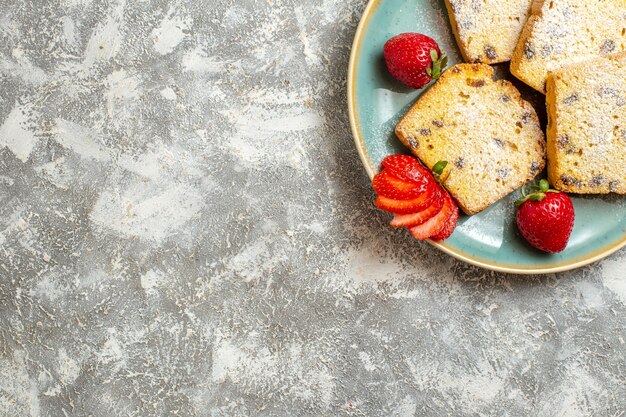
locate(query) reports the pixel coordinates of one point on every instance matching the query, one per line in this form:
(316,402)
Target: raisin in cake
(563,32)
(490,137)
(487,30)
(587,127)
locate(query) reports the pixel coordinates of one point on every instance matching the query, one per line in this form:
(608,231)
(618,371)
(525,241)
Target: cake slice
(564,32)
(587,127)
(490,137)
(487,30)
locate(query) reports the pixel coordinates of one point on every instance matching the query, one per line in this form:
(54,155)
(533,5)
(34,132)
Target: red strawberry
(407,206)
(389,186)
(436,224)
(407,168)
(446,232)
(414,59)
(546,218)
(415,219)
(410,191)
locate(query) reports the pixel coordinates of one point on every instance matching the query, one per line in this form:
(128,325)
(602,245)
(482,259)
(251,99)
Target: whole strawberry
(414,59)
(546,218)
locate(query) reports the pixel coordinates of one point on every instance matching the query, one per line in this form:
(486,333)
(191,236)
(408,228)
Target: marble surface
(186,229)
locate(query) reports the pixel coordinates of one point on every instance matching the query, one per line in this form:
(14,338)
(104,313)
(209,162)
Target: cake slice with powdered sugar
(489,135)
(487,30)
(565,32)
(587,127)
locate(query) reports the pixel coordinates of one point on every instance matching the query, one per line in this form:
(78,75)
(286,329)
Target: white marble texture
(185,229)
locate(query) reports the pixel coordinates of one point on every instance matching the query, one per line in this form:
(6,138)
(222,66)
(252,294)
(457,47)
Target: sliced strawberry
(415,219)
(435,224)
(407,168)
(407,206)
(446,232)
(389,186)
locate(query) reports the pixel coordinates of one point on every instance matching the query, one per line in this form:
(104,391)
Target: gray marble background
(186,229)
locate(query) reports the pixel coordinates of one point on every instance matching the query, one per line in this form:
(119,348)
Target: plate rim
(370,169)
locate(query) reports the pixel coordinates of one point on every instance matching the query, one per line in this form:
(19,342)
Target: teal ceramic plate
(488,239)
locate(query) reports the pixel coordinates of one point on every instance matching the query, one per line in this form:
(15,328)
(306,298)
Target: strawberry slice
(436,224)
(389,186)
(446,232)
(407,168)
(415,219)
(414,205)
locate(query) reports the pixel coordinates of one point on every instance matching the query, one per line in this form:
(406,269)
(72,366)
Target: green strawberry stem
(538,193)
(438,169)
(440,62)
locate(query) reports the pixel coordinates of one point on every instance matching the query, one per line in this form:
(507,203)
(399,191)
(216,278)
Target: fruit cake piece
(587,126)
(564,32)
(487,30)
(490,137)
